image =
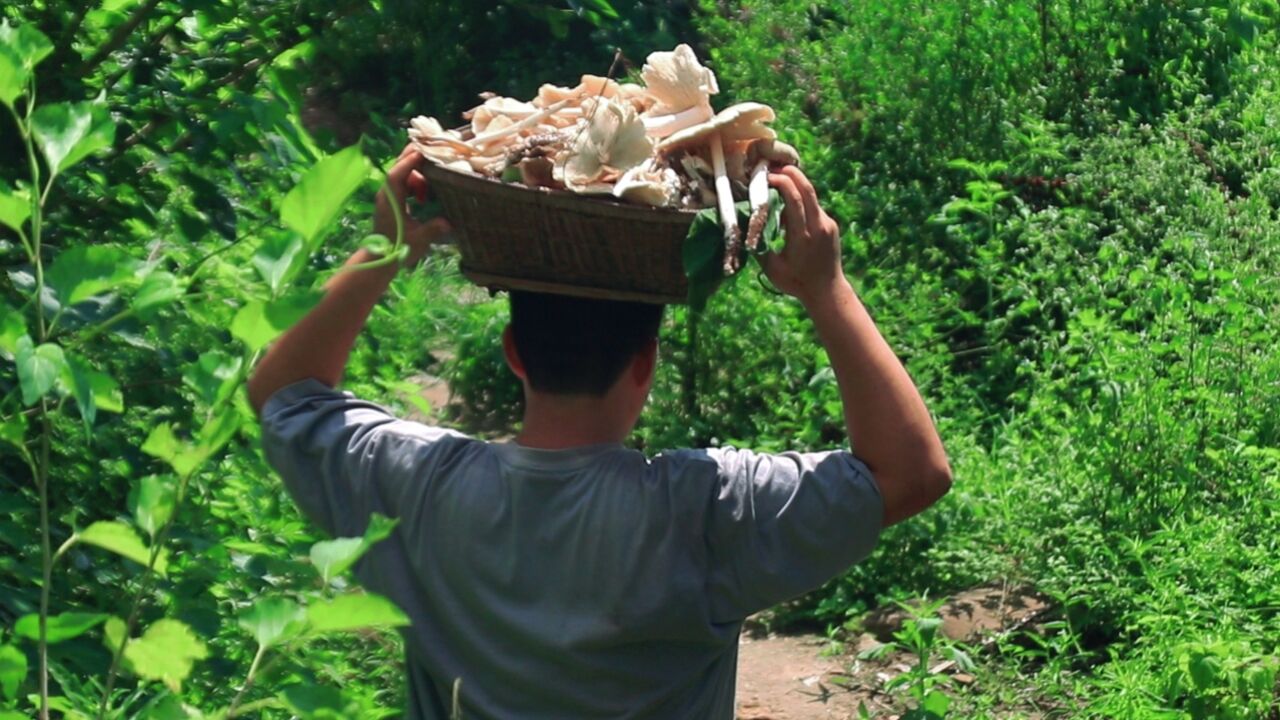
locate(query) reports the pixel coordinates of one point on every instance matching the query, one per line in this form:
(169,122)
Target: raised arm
(318,346)
(889,426)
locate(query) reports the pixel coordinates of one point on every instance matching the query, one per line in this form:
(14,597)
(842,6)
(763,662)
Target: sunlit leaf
(167,651)
(15,205)
(68,132)
(272,620)
(113,632)
(258,323)
(21,49)
(152,501)
(279,258)
(59,628)
(158,288)
(38,368)
(13,670)
(331,558)
(13,77)
(26,42)
(122,540)
(163,444)
(315,202)
(83,271)
(354,612)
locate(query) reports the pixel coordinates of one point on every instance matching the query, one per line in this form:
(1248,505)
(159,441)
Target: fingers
(814,215)
(427,233)
(407,163)
(793,210)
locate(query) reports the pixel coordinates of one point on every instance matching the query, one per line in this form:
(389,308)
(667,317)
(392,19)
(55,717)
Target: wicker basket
(516,238)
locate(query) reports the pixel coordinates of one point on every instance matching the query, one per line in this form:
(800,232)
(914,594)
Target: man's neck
(559,422)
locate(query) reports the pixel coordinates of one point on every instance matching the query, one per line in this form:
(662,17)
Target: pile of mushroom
(658,144)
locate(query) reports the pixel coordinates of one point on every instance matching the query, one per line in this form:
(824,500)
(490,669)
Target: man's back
(589,582)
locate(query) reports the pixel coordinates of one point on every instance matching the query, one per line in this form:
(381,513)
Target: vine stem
(41,469)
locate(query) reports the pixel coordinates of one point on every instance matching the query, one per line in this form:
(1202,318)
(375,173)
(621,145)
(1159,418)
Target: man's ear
(644,364)
(510,353)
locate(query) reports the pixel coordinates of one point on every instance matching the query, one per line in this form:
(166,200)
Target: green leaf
(272,620)
(38,368)
(13,670)
(68,132)
(703,257)
(279,258)
(12,327)
(331,558)
(258,323)
(15,205)
(313,205)
(60,628)
(13,77)
(935,704)
(251,327)
(26,42)
(14,430)
(354,612)
(162,444)
(122,540)
(157,288)
(152,501)
(92,390)
(113,632)
(314,702)
(87,270)
(167,651)
(21,49)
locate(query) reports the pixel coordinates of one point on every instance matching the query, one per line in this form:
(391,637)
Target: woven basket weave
(516,238)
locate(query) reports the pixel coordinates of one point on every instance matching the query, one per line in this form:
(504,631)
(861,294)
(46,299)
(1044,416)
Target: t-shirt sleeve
(782,525)
(343,459)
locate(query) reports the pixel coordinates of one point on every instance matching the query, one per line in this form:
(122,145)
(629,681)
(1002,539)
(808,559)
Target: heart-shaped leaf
(87,270)
(354,612)
(272,620)
(167,652)
(38,368)
(314,203)
(68,132)
(123,541)
(15,205)
(13,670)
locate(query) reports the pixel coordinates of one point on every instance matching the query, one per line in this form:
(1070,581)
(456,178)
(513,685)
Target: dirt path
(786,677)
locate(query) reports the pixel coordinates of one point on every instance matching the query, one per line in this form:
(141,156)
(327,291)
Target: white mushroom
(682,89)
(612,143)
(436,143)
(744,121)
(649,184)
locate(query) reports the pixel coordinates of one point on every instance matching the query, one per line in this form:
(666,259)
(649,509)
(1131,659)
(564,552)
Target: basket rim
(600,204)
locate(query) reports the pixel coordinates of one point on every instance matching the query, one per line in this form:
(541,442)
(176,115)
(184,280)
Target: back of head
(578,346)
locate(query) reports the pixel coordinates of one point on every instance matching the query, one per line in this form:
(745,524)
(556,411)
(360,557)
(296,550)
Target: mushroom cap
(614,140)
(677,80)
(773,150)
(744,121)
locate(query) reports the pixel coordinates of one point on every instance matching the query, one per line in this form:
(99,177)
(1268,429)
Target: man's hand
(405,180)
(809,263)
(889,426)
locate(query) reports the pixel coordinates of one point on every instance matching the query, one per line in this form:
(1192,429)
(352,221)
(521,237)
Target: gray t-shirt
(584,583)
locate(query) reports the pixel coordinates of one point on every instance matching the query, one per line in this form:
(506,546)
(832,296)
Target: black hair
(578,346)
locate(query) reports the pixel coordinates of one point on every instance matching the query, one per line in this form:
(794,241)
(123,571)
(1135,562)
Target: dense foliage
(1063,214)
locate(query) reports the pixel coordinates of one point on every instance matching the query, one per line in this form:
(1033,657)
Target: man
(562,575)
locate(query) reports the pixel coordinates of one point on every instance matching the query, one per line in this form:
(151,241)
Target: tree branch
(118,38)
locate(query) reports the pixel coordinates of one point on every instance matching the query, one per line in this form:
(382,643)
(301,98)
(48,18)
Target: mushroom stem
(758,189)
(728,213)
(664,125)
